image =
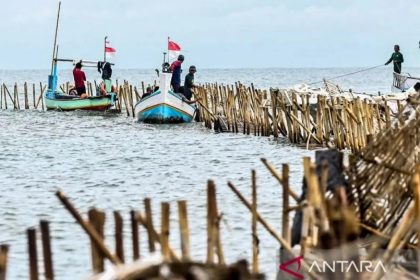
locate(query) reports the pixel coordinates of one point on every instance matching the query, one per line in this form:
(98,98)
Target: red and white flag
(109,51)
(173,51)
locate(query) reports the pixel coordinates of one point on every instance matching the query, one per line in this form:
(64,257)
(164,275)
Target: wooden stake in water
(1,97)
(119,240)
(164,234)
(285,216)
(33,95)
(33,255)
(184,230)
(88,228)
(211,243)
(255,240)
(97,220)
(25,88)
(271,230)
(156,236)
(149,221)
(46,249)
(4,250)
(135,235)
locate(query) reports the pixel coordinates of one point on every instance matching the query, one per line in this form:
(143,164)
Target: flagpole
(55,37)
(168,47)
(106,37)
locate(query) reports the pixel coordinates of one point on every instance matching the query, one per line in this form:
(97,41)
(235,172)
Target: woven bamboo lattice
(382,172)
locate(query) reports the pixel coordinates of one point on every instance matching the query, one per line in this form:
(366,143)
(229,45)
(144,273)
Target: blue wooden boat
(164,105)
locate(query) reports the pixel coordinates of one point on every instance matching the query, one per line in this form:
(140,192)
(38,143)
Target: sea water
(112,162)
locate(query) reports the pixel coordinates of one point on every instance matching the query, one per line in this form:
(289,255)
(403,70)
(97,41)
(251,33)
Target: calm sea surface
(111,162)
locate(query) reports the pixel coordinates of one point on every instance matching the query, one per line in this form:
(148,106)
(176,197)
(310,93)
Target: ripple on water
(107,161)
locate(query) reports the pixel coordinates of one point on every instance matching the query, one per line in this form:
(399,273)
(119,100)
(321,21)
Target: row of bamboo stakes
(329,221)
(332,121)
(93,225)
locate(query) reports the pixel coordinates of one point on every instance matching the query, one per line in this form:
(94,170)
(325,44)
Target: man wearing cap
(189,82)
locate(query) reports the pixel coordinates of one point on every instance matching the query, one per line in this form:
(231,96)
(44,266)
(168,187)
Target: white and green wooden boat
(58,100)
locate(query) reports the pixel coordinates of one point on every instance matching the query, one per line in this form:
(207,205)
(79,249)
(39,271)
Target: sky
(212,33)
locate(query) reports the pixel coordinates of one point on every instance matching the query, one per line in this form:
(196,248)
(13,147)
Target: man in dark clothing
(397,58)
(189,82)
(79,80)
(176,73)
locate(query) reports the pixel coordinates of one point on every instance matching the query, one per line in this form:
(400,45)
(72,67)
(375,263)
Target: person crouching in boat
(106,86)
(176,73)
(187,90)
(397,58)
(79,80)
(148,92)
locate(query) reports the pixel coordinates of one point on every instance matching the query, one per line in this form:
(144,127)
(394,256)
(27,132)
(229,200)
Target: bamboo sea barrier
(313,118)
(373,205)
(329,118)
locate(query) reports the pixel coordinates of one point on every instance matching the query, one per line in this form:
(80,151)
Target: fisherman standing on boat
(189,82)
(397,58)
(79,80)
(106,86)
(176,73)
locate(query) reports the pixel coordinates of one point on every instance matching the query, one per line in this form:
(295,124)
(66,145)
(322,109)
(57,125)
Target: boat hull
(98,103)
(166,107)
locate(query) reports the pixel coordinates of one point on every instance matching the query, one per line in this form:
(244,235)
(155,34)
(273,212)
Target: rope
(348,74)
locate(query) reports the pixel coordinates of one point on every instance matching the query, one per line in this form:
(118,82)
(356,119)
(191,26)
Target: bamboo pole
(164,234)
(124,96)
(33,95)
(132,103)
(6,90)
(286,194)
(415,185)
(16,95)
(156,236)
(1,100)
(25,89)
(40,97)
(255,240)
(211,243)
(33,255)
(279,178)
(97,220)
(88,228)
(274,110)
(119,237)
(149,221)
(46,249)
(271,231)
(396,239)
(4,250)
(184,230)
(135,235)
